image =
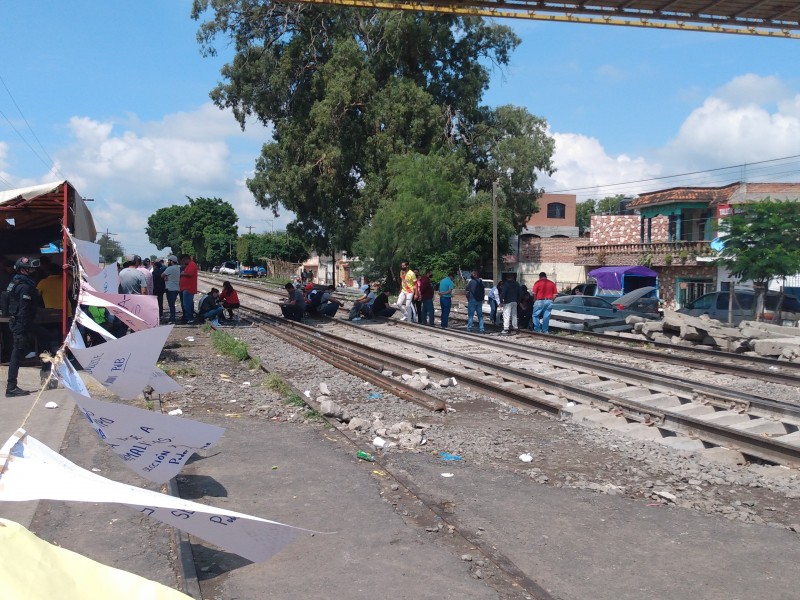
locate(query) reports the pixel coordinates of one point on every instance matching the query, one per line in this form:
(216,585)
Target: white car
(228,268)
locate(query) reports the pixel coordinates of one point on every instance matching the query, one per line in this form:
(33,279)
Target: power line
(665,177)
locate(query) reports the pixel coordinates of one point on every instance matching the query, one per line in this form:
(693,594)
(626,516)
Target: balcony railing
(656,253)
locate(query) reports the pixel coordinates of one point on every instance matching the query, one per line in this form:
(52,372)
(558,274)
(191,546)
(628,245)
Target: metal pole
(495,264)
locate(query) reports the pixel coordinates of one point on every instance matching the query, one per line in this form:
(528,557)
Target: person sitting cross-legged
(209,308)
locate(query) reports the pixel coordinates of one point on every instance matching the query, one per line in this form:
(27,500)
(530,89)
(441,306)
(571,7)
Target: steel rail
(751,444)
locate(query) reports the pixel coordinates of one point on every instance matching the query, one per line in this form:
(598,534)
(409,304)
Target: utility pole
(249,228)
(106,253)
(495,264)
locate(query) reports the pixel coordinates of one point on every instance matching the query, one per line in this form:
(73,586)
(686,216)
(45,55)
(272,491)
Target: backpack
(5,301)
(480,290)
(315,298)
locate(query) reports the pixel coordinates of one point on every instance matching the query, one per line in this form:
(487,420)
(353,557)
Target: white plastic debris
(245,384)
(525,457)
(379,442)
(51,404)
(570,404)
(307,393)
(175,413)
(190,339)
(447,474)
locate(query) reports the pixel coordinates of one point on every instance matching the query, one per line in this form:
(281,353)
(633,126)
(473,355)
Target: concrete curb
(190,583)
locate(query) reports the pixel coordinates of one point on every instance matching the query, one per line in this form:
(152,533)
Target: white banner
(68,376)
(163,383)
(126,365)
(153,445)
(87,321)
(135,321)
(87,251)
(105,281)
(35,472)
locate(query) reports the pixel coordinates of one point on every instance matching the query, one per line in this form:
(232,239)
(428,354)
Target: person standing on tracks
(405,301)
(446,298)
(424,292)
(509,297)
(172,285)
(22,301)
(475,295)
(494,301)
(295,305)
(188,288)
(544,291)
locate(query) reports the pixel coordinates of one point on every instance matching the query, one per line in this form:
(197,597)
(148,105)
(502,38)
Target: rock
(387,373)
(358,424)
(416,384)
(466,557)
(448,382)
(401,427)
(422,372)
(323,388)
(666,495)
(329,408)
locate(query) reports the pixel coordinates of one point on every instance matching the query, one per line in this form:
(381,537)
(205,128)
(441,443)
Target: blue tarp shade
(610,278)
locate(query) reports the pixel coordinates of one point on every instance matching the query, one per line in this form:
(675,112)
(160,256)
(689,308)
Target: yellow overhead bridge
(772,18)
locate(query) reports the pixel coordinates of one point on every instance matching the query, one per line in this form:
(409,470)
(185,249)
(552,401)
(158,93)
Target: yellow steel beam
(478,10)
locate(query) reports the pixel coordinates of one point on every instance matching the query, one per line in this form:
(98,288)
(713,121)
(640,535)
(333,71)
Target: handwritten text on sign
(35,472)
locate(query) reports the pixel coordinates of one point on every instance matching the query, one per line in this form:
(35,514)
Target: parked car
(597,307)
(229,267)
(582,289)
(715,305)
(643,301)
(215,269)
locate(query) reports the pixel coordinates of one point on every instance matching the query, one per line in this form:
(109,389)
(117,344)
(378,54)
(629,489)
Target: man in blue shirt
(446,297)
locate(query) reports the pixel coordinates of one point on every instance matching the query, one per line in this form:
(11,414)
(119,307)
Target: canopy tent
(610,278)
(32,217)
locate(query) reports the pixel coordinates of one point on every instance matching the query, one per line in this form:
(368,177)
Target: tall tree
(200,228)
(761,242)
(345,90)
(583,215)
(110,250)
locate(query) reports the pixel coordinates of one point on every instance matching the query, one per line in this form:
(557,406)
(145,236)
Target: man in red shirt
(188,283)
(544,291)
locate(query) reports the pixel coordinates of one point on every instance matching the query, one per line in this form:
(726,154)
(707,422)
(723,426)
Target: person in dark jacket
(159,286)
(509,297)
(23,302)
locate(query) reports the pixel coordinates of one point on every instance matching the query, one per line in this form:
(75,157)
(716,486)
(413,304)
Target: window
(556,210)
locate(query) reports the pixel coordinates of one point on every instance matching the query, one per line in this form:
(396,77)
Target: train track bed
(488,435)
(687,360)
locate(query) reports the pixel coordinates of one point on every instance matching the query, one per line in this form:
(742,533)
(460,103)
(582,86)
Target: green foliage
(762,241)
(583,215)
(277,384)
(228,345)
(110,250)
(295,400)
(202,228)
(348,90)
(280,245)
(472,236)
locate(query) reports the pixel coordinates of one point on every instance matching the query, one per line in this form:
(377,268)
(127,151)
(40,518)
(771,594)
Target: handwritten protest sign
(153,445)
(132,309)
(83,319)
(163,383)
(69,378)
(35,472)
(126,365)
(105,281)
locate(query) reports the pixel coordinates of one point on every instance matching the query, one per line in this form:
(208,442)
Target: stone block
(775,346)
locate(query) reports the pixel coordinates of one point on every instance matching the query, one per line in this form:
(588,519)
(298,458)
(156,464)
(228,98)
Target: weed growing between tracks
(228,345)
(276,383)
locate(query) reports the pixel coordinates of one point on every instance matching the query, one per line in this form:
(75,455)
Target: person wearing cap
(172,284)
(158,286)
(23,302)
(295,305)
(131,279)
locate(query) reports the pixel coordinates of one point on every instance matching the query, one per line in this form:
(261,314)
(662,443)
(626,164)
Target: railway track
(625,398)
(760,368)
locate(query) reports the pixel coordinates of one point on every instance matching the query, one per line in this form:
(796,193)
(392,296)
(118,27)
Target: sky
(114,97)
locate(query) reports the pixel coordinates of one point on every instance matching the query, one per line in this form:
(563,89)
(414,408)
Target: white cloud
(132,168)
(612,73)
(584,168)
(748,120)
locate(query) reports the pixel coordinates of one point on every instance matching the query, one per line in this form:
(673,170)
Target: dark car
(643,301)
(597,307)
(715,305)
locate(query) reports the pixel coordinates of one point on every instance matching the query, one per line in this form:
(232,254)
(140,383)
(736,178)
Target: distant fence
(281,269)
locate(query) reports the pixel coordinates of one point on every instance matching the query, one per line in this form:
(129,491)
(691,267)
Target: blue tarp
(610,278)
